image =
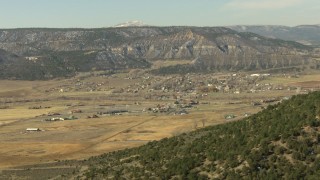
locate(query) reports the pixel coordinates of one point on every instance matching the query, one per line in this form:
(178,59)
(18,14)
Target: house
(32,58)
(255,75)
(229,116)
(57,119)
(236,92)
(33,129)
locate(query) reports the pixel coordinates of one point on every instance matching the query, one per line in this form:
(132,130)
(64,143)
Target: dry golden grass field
(26,104)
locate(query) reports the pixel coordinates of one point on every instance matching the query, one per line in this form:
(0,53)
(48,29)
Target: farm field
(100,114)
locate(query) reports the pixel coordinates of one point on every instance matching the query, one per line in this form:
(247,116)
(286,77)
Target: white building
(33,129)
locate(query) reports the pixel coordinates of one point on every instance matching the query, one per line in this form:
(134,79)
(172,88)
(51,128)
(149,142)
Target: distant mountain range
(305,34)
(63,52)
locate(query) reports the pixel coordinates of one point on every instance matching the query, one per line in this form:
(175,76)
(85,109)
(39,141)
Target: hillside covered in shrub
(281,141)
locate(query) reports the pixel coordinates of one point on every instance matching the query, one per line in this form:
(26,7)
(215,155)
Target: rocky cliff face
(116,48)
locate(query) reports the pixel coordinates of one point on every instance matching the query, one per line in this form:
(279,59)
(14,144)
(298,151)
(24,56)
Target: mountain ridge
(219,48)
(306,34)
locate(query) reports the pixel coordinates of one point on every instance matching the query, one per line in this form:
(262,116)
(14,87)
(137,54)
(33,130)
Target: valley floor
(107,113)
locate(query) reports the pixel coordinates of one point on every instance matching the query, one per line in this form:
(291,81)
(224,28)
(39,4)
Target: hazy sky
(104,13)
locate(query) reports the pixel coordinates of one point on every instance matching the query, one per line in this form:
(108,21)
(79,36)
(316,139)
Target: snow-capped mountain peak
(131,24)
